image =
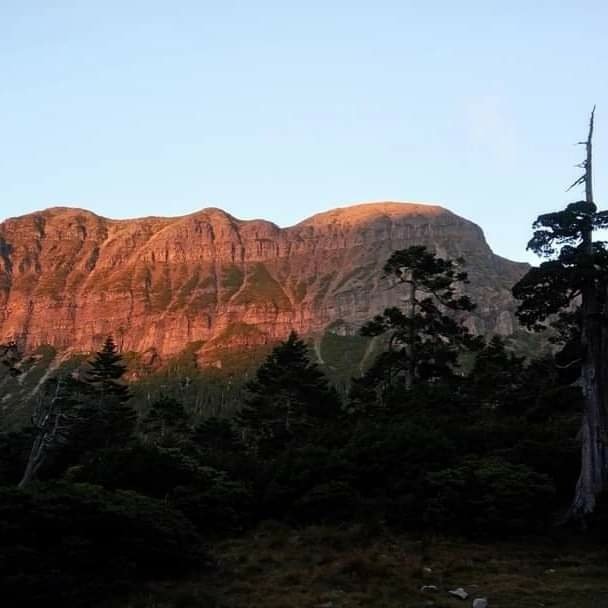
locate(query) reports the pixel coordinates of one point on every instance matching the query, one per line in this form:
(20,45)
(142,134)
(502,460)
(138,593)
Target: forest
(447,435)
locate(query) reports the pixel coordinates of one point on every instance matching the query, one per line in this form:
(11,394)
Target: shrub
(294,474)
(393,456)
(215,504)
(146,469)
(327,502)
(488,497)
(77,542)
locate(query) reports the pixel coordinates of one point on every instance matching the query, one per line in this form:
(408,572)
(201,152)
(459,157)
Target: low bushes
(74,542)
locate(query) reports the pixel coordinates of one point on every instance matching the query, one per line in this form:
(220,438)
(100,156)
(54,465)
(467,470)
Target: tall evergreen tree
(575,278)
(288,397)
(425,339)
(111,419)
(106,371)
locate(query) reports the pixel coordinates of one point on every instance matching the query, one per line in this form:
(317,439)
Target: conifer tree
(106,371)
(110,417)
(424,339)
(288,397)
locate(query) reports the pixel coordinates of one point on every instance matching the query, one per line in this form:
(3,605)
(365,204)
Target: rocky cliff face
(69,277)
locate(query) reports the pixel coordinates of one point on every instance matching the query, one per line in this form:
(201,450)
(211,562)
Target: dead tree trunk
(594,428)
(51,426)
(35,461)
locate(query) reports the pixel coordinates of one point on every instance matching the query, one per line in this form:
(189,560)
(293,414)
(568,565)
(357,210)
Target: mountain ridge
(68,276)
(346,208)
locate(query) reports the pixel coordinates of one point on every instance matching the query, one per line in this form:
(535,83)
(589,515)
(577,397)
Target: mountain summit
(69,277)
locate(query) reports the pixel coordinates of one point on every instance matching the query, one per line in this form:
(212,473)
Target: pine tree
(286,400)
(110,418)
(425,340)
(106,371)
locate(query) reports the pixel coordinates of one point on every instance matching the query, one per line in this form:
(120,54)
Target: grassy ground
(278,567)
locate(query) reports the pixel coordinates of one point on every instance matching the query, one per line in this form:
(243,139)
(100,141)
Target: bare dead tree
(52,426)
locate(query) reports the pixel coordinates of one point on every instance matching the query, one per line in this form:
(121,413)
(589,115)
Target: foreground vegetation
(109,501)
(277,566)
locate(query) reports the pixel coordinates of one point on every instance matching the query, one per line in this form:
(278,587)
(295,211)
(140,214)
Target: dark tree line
(419,443)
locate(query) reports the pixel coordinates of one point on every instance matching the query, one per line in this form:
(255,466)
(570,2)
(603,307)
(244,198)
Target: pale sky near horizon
(283,109)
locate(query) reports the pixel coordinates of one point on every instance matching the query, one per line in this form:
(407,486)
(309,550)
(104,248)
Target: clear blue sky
(282,109)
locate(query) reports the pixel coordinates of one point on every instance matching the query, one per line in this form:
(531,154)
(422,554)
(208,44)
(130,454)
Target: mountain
(208,280)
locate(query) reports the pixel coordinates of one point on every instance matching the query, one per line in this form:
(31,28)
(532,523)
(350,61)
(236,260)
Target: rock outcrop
(69,277)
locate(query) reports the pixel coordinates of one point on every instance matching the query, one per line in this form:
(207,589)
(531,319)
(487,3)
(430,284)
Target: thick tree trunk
(594,429)
(594,452)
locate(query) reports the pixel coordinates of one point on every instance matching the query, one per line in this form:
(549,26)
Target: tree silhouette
(571,288)
(287,397)
(425,339)
(110,418)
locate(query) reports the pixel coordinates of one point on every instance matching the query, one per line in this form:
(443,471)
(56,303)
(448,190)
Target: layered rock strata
(69,277)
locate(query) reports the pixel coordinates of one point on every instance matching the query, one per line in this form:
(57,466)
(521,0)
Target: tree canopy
(426,337)
(288,394)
